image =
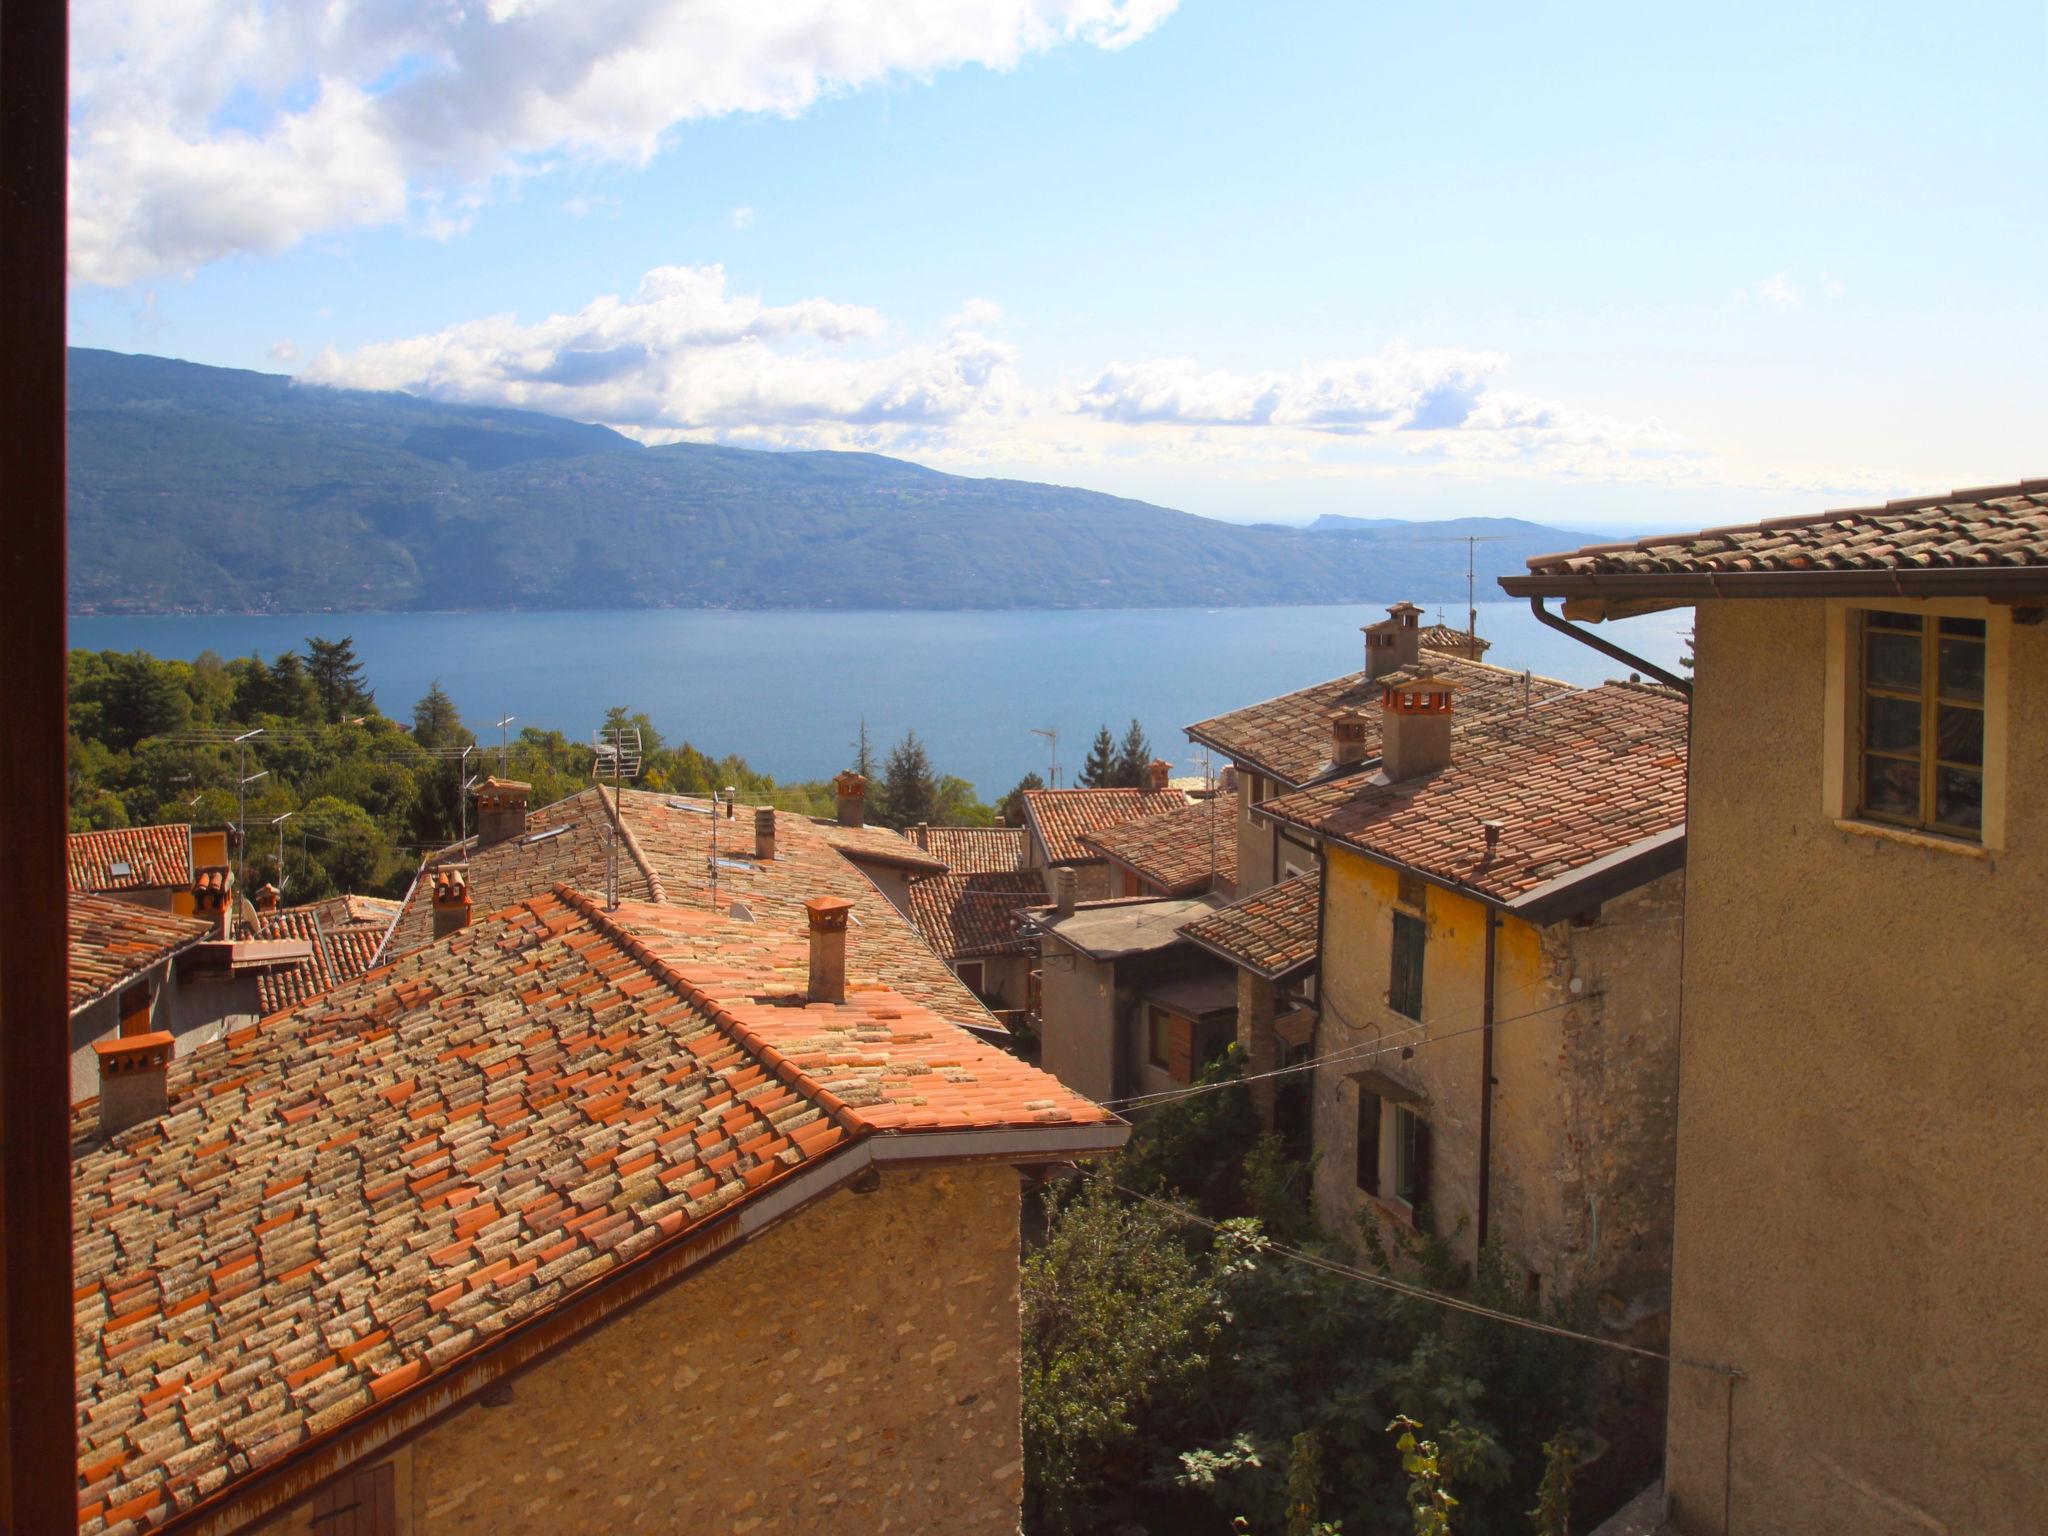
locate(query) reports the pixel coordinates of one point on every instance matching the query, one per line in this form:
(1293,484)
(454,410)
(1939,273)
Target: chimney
(1063,891)
(828,916)
(853,799)
(764,832)
(1396,641)
(451,900)
(132,1086)
(1162,773)
(267,898)
(212,901)
(924,835)
(500,810)
(1347,738)
(1415,727)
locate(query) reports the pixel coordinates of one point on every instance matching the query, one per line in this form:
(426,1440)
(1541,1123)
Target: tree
(1099,771)
(863,752)
(1133,766)
(338,678)
(1010,809)
(141,697)
(910,793)
(436,723)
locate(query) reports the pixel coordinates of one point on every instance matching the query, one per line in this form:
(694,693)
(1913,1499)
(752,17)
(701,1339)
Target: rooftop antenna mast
(1052,738)
(244,779)
(1472,541)
(278,822)
(618,752)
(463,780)
(505,744)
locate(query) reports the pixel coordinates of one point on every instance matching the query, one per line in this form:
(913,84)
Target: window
(135,1004)
(1368,1141)
(1170,1044)
(1159,1037)
(359,1503)
(1133,886)
(1392,1150)
(970,972)
(1411,1160)
(1921,723)
(1404,992)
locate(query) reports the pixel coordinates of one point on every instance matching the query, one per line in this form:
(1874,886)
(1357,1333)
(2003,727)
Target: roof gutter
(1591,884)
(1606,647)
(1681,587)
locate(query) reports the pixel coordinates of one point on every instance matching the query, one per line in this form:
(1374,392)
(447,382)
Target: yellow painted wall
(853,1370)
(1863,1156)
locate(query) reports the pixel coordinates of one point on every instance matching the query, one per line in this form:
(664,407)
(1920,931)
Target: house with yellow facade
(1860,1272)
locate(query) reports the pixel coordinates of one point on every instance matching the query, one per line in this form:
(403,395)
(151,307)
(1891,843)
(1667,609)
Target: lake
(788,690)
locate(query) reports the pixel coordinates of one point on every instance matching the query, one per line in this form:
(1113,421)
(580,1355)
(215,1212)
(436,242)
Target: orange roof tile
(1288,738)
(878,843)
(113,941)
(1189,849)
(1573,780)
(339,954)
(976,914)
(1272,932)
(1443,637)
(1058,817)
(130,858)
(354,1197)
(978,850)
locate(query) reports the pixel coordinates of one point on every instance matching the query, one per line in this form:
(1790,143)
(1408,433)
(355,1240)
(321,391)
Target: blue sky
(1601,265)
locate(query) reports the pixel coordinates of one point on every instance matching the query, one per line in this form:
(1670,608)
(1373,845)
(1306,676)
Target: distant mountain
(198,489)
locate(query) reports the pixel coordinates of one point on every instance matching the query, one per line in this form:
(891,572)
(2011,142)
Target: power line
(1264,1244)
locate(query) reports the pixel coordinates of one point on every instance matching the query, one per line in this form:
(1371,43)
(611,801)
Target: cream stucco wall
(1585,1080)
(853,1370)
(1077,1005)
(1862,1221)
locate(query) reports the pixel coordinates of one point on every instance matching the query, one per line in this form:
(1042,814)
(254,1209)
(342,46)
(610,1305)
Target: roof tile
(112,941)
(1058,817)
(1273,931)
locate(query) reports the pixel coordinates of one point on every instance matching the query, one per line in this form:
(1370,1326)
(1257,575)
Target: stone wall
(852,1370)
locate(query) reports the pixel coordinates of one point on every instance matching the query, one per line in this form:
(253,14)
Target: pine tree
(338,676)
(863,752)
(1133,769)
(910,792)
(1099,772)
(435,721)
(1010,809)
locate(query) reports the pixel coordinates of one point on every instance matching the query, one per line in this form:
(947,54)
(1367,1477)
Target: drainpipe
(1486,1081)
(1608,648)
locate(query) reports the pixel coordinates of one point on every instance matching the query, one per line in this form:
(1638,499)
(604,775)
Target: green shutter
(1404,992)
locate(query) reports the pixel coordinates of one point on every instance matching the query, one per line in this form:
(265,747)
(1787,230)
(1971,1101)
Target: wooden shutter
(1180,1054)
(135,1010)
(1368,1140)
(1404,991)
(1419,1205)
(359,1503)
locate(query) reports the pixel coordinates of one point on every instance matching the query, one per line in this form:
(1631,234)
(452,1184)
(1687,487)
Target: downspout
(1486,1081)
(1608,648)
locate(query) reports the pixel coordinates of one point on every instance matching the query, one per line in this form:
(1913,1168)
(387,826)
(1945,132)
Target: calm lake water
(787,691)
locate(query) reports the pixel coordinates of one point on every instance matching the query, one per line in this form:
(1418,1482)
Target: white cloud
(1781,290)
(976,315)
(741,217)
(284,351)
(203,128)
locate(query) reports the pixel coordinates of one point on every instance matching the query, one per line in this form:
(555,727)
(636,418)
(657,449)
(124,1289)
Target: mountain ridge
(202,489)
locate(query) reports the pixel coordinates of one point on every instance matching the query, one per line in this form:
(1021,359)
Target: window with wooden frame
(1411,1161)
(971,974)
(1404,986)
(135,1009)
(1159,1038)
(359,1503)
(1368,1141)
(1920,722)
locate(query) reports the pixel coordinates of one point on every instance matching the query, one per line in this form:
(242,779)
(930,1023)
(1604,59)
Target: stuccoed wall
(1863,1209)
(1077,1004)
(853,1370)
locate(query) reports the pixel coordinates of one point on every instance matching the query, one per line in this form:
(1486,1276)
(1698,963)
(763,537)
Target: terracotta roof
(335,912)
(976,914)
(1574,780)
(978,850)
(155,856)
(1058,817)
(339,954)
(1288,738)
(355,1196)
(1272,932)
(881,844)
(112,941)
(1189,849)
(1991,526)
(1443,637)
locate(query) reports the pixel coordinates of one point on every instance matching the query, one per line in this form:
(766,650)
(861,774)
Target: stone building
(1190,849)
(1861,1206)
(975,922)
(1056,819)
(1497,1047)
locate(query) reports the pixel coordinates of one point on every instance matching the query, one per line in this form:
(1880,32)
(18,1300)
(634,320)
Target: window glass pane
(1891,787)
(1891,661)
(1908,622)
(1959,734)
(1962,669)
(1891,725)
(1404,1155)
(1963,627)
(1959,798)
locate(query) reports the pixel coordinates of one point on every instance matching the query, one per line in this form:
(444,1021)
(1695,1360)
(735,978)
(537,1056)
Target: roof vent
(133,1079)
(828,915)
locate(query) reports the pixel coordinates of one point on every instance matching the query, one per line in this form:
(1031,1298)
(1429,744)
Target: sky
(1609,266)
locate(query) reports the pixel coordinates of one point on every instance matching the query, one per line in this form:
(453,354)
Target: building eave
(1681,588)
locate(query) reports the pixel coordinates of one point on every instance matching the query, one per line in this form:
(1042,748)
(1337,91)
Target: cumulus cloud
(1782,291)
(1401,387)
(683,356)
(203,128)
(741,217)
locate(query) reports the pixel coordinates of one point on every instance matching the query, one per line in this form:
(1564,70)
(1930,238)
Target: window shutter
(1421,1204)
(359,1503)
(135,1010)
(1404,992)
(1368,1141)
(1180,1055)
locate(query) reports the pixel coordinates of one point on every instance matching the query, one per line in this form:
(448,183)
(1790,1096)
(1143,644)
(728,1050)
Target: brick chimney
(764,832)
(1162,773)
(1063,886)
(853,799)
(500,810)
(1347,738)
(132,1080)
(267,898)
(213,900)
(1396,641)
(1415,727)
(451,900)
(924,835)
(828,915)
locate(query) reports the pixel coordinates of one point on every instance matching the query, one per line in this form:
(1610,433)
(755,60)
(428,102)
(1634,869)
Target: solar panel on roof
(120,869)
(745,869)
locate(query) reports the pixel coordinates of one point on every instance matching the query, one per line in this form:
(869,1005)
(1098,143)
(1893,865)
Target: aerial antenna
(245,779)
(505,744)
(1052,737)
(278,822)
(464,779)
(1471,541)
(618,752)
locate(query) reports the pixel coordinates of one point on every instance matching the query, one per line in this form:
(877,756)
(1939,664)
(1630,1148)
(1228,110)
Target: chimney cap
(828,914)
(850,783)
(493,785)
(127,1053)
(451,884)
(1401,609)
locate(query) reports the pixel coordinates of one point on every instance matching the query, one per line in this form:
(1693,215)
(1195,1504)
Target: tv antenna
(1471,541)
(278,822)
(244,780)
(464,779)
(618,753)
(1052,738)
(505,744)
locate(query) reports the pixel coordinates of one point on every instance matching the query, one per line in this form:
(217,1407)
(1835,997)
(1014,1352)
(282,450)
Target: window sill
(1395,1212)
(1934,842)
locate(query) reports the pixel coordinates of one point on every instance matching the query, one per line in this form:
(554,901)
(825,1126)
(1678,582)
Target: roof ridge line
(654,885)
